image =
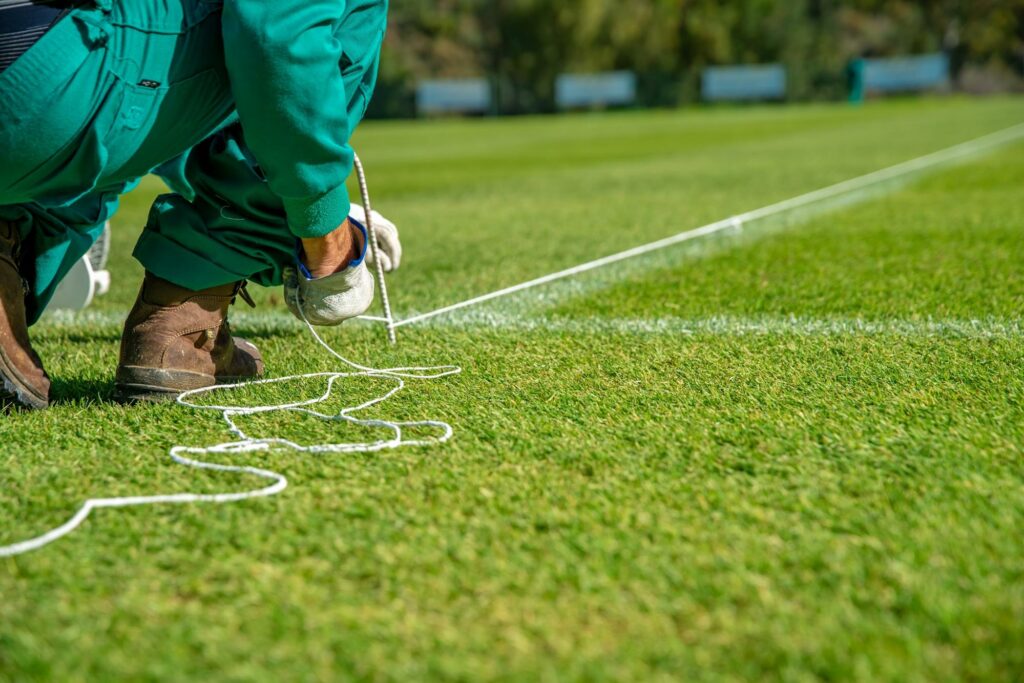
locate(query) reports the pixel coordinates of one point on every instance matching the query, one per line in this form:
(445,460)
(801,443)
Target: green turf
(791,454)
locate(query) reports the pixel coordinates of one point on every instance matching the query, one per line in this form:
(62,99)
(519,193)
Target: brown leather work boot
(176,340)
(23,381)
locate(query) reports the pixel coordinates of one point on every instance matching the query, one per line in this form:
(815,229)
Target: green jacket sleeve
(285,60)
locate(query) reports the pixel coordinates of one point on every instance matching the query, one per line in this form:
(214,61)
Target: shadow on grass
(68,390)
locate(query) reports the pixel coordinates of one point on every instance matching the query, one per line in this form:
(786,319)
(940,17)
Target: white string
(248,444)
(378,263)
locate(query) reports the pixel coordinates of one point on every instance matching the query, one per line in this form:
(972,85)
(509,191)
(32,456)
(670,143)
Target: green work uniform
(244,107)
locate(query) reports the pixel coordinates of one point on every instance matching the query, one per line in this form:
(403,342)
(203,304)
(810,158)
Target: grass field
(795,453)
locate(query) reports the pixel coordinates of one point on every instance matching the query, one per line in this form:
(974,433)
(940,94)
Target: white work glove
(331,300)
(387,238)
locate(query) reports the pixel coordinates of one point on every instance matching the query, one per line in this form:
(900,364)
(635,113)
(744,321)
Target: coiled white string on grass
(186,455)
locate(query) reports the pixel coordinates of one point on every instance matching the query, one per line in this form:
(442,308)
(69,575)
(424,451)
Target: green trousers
(117,90)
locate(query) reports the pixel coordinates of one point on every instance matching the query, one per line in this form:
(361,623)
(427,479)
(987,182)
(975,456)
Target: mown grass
(619,503)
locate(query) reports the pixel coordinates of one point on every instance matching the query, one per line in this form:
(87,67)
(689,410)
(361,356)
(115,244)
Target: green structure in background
(855,73)
(913,73)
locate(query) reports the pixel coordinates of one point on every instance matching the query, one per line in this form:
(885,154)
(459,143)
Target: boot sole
(156,385)
(12,390)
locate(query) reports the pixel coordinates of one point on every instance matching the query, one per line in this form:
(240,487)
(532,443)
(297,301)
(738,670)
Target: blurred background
(506,57)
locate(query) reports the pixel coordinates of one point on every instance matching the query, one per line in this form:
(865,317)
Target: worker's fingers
(385,262)
(387,238)
(390,246)
(388,241)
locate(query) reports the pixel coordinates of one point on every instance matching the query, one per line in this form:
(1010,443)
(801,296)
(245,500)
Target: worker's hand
(387,238)
(330,282)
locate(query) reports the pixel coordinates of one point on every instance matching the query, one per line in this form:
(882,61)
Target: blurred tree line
(522,45)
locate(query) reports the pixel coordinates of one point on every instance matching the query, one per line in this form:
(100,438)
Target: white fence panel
(906,74)
(609,89)
(454,96)
(744,83)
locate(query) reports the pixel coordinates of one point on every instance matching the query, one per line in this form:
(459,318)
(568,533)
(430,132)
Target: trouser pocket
(152,122)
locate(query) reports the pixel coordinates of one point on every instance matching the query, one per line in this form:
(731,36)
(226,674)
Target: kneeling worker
(245,108)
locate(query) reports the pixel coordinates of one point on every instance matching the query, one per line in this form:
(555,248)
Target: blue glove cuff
(353,264)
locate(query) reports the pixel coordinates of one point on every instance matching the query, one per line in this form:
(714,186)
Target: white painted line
(739,326)
(957,152)
(724,325)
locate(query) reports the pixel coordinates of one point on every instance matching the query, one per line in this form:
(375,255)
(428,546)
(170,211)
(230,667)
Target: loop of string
(188,456)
